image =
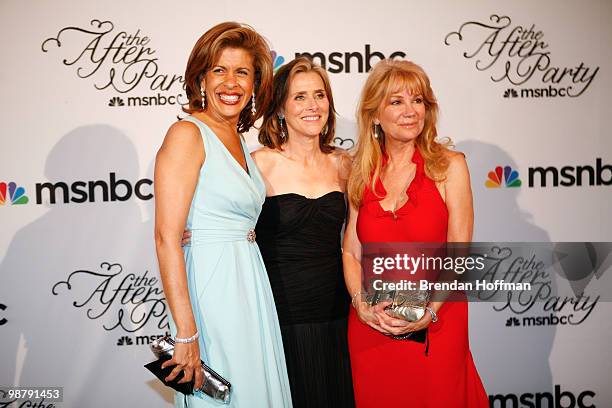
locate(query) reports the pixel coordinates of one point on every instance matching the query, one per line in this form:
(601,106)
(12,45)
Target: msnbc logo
(16,195)
(506,174)
(277,60)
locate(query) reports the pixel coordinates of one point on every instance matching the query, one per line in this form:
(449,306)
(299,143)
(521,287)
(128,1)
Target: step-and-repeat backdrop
(89,89)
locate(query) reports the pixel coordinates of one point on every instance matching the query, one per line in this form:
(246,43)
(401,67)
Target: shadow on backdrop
(82,334)
(505,354)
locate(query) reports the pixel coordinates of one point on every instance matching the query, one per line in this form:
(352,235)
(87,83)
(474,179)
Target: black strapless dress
(299,239)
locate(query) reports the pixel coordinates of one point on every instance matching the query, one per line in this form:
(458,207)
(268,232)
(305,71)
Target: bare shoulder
(456,160)
(265,157)
(183,139)
(263,153)
(457,165)
(342,155)
(454,155)
(183,133)
(343,160)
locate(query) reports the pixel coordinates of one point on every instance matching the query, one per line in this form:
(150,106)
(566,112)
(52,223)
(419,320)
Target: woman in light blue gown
(205,180)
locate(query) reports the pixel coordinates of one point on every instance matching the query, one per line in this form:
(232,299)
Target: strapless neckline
(328,194)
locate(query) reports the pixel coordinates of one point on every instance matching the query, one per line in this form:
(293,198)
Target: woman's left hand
(186,238)
(399,327)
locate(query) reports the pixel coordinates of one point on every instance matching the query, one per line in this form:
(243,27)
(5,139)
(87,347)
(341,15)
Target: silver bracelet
(434,316)
(189,339)
(354,297)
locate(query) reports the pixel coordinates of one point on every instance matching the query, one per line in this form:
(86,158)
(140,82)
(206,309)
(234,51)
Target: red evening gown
(398,373)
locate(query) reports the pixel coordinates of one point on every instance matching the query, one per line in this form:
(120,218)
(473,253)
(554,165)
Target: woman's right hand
(367,314)
(186,239)
(186,358)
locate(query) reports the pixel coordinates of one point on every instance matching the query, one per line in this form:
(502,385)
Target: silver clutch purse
(214,385)
(406,304)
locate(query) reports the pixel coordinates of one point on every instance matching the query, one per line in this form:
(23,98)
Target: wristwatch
(434,316)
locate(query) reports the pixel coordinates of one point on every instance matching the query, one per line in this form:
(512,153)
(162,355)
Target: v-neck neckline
(246,171)
(395,210)
(414,159)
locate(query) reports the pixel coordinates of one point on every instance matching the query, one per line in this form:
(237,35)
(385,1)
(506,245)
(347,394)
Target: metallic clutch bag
(406,304)
(214,385)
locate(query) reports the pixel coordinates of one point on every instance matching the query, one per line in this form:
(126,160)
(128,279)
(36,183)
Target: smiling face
(229,84)
(402,115)
(306,108)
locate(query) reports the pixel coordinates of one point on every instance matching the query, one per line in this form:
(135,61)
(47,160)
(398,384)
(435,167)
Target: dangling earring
(375,131)
(203,94)
(253,110)
(283,135)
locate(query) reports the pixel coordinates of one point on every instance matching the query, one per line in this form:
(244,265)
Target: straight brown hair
(206,53)
(270,132)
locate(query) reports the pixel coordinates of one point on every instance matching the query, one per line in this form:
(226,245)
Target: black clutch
(214,385)
(162,373)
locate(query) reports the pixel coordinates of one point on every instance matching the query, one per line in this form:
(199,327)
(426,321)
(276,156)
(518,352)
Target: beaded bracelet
(189,339)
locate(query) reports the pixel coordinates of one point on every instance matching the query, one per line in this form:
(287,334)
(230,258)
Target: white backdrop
(89,90)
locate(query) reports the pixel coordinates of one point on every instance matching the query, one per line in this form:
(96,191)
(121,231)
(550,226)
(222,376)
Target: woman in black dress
(299,231)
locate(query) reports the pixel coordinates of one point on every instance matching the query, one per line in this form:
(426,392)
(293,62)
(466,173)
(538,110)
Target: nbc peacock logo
(16,195)
(277,60)
(503,177)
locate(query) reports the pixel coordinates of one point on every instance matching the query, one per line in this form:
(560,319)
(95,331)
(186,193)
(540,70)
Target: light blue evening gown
(228,284)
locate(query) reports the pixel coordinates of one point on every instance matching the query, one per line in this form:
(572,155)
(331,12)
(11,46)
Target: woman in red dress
(407,187)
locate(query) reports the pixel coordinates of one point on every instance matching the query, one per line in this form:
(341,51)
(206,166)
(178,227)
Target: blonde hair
(270,132)
(386,78)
